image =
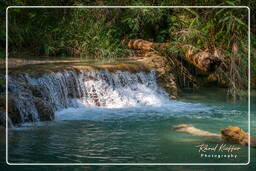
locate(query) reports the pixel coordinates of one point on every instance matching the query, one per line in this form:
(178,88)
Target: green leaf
(230,3)
(240,22)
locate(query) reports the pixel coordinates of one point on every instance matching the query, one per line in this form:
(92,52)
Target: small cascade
(37,98)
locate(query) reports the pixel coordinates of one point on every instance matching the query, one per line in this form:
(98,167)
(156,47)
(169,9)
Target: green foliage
(145,23)
(98,33)
(95,36)
(253,56)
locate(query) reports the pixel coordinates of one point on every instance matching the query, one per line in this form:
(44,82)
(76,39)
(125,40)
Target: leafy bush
(98,33)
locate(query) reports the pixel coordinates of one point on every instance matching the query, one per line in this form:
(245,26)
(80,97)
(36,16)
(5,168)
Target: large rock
(234,134)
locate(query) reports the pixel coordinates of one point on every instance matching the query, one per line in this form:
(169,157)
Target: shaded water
(134,125)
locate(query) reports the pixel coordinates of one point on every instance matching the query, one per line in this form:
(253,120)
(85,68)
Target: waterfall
(36,97)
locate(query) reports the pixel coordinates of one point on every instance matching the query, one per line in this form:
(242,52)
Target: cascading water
(82,88)
(108,117)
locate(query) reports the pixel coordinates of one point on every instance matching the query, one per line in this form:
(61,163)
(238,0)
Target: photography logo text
(217,151)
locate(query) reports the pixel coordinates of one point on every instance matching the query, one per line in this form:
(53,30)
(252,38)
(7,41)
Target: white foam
(99,94)
(174,109)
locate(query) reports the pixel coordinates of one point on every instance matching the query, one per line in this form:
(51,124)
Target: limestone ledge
(164,77)
(40,69)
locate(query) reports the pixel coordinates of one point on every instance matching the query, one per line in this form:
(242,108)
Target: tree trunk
(203,60)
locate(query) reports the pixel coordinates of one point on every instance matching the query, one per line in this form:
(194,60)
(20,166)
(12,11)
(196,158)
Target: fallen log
(203,60)
(195,131)
(140,44)
(231,134)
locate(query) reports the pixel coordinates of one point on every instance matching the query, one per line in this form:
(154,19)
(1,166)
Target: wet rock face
(168,82)
(44,109)
(42,102)
(37,91)
(33,99)
(37,97)
(13,112)
(162,66)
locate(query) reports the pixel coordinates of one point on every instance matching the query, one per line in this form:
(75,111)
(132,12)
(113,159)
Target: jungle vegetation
(99,33)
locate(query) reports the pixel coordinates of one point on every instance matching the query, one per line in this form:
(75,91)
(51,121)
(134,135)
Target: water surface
(134,134)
